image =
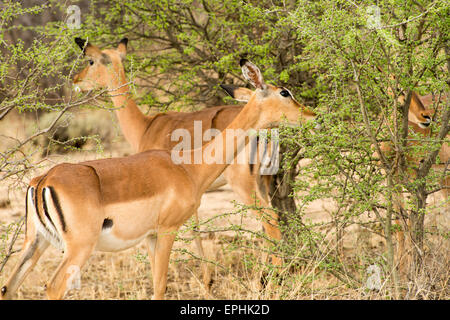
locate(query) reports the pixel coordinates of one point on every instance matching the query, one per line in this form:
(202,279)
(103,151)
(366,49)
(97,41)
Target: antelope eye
(91,62)
(285,93)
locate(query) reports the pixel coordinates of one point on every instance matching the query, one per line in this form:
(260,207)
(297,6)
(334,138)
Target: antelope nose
(427,123)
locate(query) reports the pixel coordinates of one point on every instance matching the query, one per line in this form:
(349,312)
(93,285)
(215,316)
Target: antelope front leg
(150,241)
(198,239)
(163,248)
(271,228)
(31,252)
(198,243)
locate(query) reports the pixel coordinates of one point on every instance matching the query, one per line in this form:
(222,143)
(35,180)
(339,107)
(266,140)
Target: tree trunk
(281,190)
(417,231)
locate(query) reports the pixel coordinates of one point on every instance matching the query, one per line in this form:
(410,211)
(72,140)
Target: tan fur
(168,195)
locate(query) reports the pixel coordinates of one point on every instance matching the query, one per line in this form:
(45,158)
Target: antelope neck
(132,121)
(204,174)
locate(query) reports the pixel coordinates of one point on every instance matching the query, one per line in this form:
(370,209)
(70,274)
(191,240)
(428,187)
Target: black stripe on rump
(44,204)
(58,207)
(26,206)
(36,202)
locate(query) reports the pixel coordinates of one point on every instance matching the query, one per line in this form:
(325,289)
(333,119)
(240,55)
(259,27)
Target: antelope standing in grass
(113,204)
(143,132)
(419,121)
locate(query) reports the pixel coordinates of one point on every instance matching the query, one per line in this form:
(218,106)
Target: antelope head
(269,102)
(104,69)
(418,114)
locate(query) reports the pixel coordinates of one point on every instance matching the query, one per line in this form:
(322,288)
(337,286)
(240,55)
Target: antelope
(143,132)
(419,121)
(113,204)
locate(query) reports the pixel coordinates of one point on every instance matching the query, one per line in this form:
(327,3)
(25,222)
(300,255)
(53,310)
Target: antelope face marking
(427,123)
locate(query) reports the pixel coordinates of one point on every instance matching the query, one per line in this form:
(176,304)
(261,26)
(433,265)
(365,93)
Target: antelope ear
(122,47)
(88,49)
(83,44)
(237,93)
(252,74)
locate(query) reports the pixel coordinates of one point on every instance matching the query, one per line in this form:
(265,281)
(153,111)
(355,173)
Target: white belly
(109,242)
(131,222)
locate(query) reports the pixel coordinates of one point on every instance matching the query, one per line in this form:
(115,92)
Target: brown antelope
(419,121)
(113,204)
(143,132)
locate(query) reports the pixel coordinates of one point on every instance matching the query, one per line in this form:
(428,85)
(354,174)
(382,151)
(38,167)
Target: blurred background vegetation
(350,61)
